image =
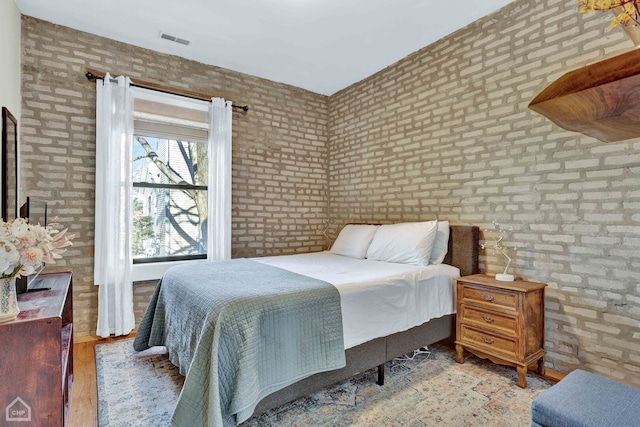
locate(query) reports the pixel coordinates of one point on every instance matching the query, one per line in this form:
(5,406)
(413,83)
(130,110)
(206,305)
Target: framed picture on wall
(9,161)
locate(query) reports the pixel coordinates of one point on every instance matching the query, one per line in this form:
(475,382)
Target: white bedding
(378,298)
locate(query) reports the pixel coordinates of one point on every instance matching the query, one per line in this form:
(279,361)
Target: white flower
(31,259)
(25,247)
(9,256)
(18,228)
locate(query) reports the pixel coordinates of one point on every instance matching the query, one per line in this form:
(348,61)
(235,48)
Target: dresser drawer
(493,343)
(489,320)
(489,296)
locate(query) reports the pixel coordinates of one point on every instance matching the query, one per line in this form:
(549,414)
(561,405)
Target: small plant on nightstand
(498,247)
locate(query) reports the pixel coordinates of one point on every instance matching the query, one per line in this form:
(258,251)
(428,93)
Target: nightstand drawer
(488,296)
(487,319)
(492,342)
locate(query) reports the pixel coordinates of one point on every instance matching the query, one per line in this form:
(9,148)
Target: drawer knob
(487,297)
(487,340)
(487,318)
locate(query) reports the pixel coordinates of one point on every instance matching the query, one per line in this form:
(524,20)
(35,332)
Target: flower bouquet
(626,12)
(24,248)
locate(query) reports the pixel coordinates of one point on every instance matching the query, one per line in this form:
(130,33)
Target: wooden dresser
(36,356)
(502,321)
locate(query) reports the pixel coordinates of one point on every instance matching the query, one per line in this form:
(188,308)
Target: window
(169,199)
(170,175)
(170,221)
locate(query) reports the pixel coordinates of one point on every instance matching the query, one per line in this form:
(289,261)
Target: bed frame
(463,253)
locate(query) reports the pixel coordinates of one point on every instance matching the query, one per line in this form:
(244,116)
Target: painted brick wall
(279,154)
(443,133)
(446,133)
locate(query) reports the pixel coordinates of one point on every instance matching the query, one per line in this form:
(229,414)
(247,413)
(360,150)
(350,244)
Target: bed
(346,338)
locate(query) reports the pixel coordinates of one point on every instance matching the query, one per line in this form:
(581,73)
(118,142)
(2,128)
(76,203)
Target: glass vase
(8,299)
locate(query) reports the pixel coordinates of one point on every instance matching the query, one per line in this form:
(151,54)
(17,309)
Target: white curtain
(219,223)
(113,260)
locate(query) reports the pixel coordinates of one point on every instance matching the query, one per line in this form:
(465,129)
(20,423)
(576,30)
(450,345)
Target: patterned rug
(141,389)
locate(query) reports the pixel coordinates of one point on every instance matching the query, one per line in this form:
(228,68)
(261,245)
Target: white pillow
(406,243)
(353,240)
(441,244)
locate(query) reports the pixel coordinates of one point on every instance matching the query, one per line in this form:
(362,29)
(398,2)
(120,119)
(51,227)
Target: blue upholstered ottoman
(587,400)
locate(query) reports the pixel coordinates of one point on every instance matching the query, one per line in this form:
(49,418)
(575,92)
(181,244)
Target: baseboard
(553,375)
(550,375)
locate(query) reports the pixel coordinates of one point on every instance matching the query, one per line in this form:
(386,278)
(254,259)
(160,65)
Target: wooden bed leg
(381,374)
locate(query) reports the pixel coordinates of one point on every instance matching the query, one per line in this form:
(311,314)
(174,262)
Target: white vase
(8,300)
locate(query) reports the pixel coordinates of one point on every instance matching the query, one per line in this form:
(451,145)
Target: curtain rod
(94,75)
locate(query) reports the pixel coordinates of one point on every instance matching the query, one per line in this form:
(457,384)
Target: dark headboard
(463,248)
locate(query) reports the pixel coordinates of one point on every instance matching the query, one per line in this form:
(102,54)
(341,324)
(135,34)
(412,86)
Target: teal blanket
(240,330)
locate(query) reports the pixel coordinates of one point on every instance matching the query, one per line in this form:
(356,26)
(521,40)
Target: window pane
(157,160)
(169,221)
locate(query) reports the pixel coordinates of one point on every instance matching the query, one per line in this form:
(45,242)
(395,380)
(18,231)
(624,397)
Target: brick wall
(279,153)
(446,133)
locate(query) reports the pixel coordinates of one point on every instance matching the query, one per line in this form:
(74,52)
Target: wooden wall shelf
(601,100)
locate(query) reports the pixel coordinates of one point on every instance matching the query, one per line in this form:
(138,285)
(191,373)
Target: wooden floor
(84,391)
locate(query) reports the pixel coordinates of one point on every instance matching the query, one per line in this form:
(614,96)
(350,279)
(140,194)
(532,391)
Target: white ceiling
(319,45)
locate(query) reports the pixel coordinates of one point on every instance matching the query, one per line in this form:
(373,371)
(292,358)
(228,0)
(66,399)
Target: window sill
(154,271)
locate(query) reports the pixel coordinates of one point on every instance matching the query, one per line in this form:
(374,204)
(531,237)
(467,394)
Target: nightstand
(502,321)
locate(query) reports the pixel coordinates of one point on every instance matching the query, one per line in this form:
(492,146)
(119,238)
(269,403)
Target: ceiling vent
(174,39)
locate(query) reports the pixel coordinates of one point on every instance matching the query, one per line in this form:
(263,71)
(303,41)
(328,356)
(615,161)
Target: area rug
(431,389)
